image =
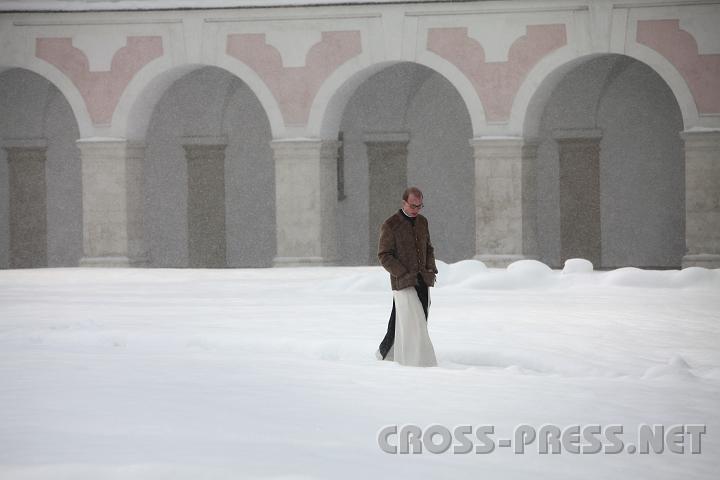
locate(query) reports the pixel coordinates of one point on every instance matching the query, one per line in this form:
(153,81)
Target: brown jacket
(405,250)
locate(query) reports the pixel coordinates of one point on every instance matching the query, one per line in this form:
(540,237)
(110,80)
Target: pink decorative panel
(701,72)
(100,90)
(496,83)
(295,87)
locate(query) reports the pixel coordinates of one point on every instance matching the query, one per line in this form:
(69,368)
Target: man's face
(413,205)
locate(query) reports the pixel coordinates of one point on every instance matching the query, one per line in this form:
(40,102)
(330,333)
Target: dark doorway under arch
(40,174)
(210,178)
(406,125)
(611,170)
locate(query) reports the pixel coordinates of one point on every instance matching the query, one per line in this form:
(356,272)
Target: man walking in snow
(406,252)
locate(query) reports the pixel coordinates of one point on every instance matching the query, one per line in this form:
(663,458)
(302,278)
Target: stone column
(702,199)
(305,201)
(387,179)
(113,193)
(207,245)
(28,202)
(505,199)
(579,156)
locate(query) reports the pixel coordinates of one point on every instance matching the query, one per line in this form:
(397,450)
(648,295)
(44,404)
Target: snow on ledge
(532,274)
(702,130)
(463,275)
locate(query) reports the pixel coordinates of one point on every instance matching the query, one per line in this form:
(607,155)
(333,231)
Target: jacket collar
(405,216)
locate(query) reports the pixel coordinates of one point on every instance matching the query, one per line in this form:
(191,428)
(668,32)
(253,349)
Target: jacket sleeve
(387,252)
(430,259)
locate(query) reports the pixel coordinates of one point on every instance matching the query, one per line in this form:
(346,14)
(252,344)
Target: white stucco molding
(704,29)
(333,95)
(293,45)
(259,88)
(672,77)
(185,50)
(396,28)
(137,102)
(99,48)
(697,19)
(497,37)
(132,115)
(53,75)
(535,90)
(544,77)
(17,50)
(462,84)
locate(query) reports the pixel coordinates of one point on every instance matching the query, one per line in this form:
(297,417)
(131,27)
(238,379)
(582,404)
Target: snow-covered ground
(270,373)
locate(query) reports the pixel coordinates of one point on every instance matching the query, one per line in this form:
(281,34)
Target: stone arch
(542,80)
(60,81)
(405,124)
(329,104)
(132,115)
(43,206)
(610,163)
(208,147)
(673,78)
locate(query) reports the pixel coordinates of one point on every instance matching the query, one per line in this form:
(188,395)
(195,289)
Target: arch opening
(140,100)
(610,165)
(209,173)
(40,174)
(405,124)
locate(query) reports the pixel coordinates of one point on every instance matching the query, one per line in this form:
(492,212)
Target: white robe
(412,344)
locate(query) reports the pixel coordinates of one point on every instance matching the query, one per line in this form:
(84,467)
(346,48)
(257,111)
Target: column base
(705,260)
(303,262)
(502,261)
(112,262)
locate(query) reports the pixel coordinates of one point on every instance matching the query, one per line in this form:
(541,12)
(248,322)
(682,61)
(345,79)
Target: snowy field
(270,373)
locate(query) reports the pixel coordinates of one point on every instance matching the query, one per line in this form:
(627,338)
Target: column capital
(701,140)
(304,148)
(204,140)
(386,137)
(110,147)
(500,141)
(383,148)
(25,143)
(509,148)
(25,149)
(707,260)
(577,134)
(202,151)
(25,154)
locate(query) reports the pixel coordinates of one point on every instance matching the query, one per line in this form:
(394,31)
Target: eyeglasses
(416,207)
